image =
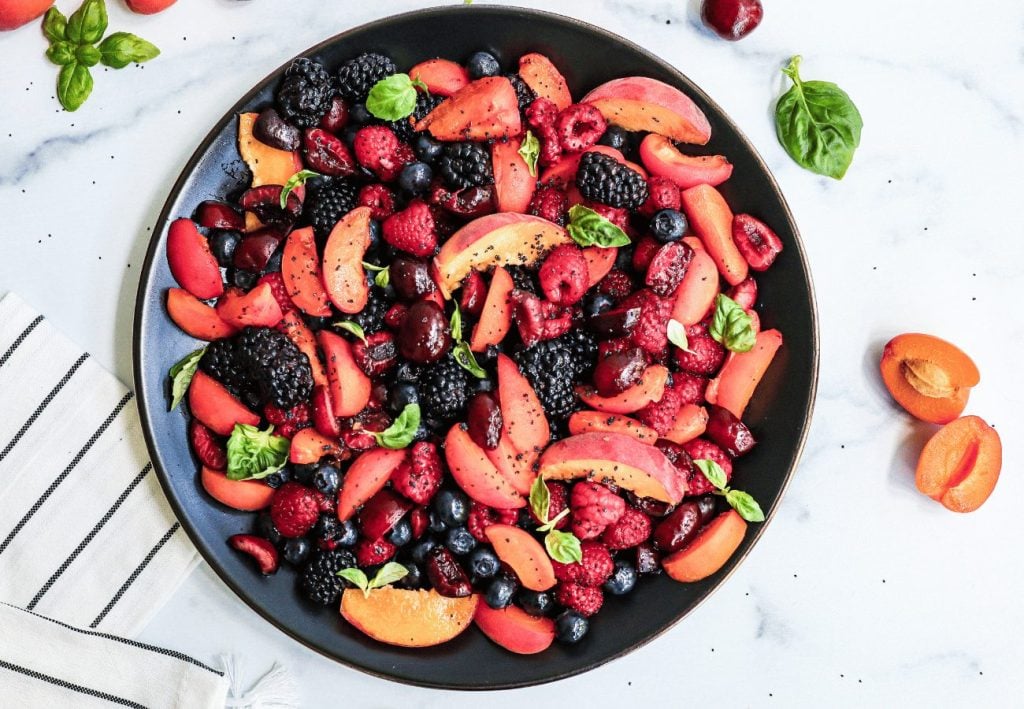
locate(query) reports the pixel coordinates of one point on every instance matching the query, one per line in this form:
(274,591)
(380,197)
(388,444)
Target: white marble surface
(862,593)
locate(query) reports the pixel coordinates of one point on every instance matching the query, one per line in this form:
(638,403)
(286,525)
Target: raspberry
(412,230)
(279,291)
(377,148)
(294,510)
(558,495)
(585,600)
(419,477)
(481,517)
(594,507)
(660,415)
(209,449)
(325,503)
(579,126)
(550,203)
(632,528)
(664,195)
(705,355)
(593,570)
(690,388)
(619,216)
(651,333)
(538,319)
(666,270)
(616,285)
(563,275)
(703,449)
(643,253)
(550,148)
(370,552)
(379,199)
(542,113)
(288,421)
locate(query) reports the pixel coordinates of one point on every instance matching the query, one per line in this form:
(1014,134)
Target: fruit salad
(478,351)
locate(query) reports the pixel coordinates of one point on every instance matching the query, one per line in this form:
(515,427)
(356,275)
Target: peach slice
(543,77)
(215,406)
(484,109)
(927,376)
(192,263)
(600,262)
(343,274)
(301,273)
(443,77)
(496,316)
(689,423)
(617,458)
(16,14)
(476,474)
(638,103)
(596,421)
(709,551)
(521,410)
(302,337)
(269,166)
(650,388)
(742,372)
(196,317)
(513,184)
(662,158)
(512,464)
(696,294)
(308,447)
(514,629)
(960,464)
(524,554)
(407,618)
(367,476)
(711,219)
(349,386)
(245,495)
(258,307)
(503,238)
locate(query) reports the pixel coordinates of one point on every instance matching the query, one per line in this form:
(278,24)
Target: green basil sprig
(588,228)
(388,574)
(740,501)
(383,277)
(561,546)
(254,454)
(732,325)
(299,178)
(352,327)
(181,376)
(529,151)
(461,352)
(402,430)
(818,124)
(394,97)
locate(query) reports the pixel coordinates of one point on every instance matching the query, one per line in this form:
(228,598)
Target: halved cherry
(381,513)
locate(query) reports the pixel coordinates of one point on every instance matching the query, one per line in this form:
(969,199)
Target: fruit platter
(475,349)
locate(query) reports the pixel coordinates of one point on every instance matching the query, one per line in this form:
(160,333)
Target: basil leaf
(745,504)
(55,25)
(299,178)
(383,277)
(353,327)
(88,23)
(87,55)
(392,98)
(677,335)
(401,432)
(588,228)
(455,324)
(61,53)
(254,454)
(563,547)
(818,124)
(732,325)
(120,49)
(389,573)
(530,152)
(356,577)
(713,472)
(181,376)
(540,499)
(467,360)
(74,84)
(553,522)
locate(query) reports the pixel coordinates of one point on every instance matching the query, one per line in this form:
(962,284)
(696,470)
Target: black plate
(779,414)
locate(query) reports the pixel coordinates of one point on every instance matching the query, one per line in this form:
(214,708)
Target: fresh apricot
(587,421)
(709,551)
(960,464)
(407,618)
(927,376)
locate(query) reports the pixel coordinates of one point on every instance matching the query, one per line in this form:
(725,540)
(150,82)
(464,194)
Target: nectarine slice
(407,618)
(709,551)
(191,261)
(650,388)
(496,316)
(367,475)
(513,183)
(215,406)
(662,158)
(524,554)
(443,77)
(742,372)
(196,317)
(544,79)
(300,269)
(302,337)
(597,421)
(349,386)
(689,423)
(960,464)
(245,495)
(309,447)
(927,376)
(638,103)
(711,219)
(343,274)
(514,629)
(521,410)
(600,262)
(258,307)
(512,464)
(476,474)
(484,109)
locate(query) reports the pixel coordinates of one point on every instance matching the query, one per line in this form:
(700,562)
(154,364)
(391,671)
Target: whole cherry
(731,19)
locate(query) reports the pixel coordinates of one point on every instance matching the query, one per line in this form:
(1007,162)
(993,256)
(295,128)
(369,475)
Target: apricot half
(407,618)
(960,464)
(927,376)
(709,551)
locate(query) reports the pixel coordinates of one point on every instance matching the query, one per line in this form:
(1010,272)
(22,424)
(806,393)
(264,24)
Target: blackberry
(465,165)
(442,389)
(371,317)
(305,93)
(425,103)
(551,368)
(604,179)
(357,76)
(582,347)
(524,94)
(327,202)
(260,365)
(220,362)
(320,579)
(524,279)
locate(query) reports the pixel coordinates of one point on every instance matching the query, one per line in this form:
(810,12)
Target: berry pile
(487,359)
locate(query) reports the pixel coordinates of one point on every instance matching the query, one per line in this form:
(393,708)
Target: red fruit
(513,184)
(324,420)
(420,477)
(756,241)
(474,291)
(445,574)
(706,354)
(148,7)
(651,333)
(482,110)
(279,290)
(336,117)
(412,230)
(585,600)
(563,275)
(377,355)
(660,414)
(371,553)
(255,249)
(265,202)
(550,147)
(395,315)
(196,317)
(542,112)
(648,560)
(538,319)
(579,126)
(381,513)
(215,406)
(703,449)
(664,194)
(643,253)
(15,14)
(377,149)
(258,307)
(191,261)
(350,387)
(668,266)
(550,203)
(411,277)
(543,77)
(261,550)
(379,198)
(594,507)
(301,274)
(679,528)
(592,570)
(309,446)
(619,371)
(287,422)
(619,216)
(419,520)
(207,447)
(484,418)
(294,510)
(327,154)
(443,77)
(481,517)
(467,202)
(425,336)
(558,495)
(729,433)
(631,529)
(731,19)
(212,214)
(325,503)
(690,388)
(616,285)
(744,293)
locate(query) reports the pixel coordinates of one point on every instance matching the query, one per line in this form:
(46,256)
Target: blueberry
(274,262)
(326,479)
(413,579)
(357,113)
(348,534)
(401,533)
(483,64)
(421,549)
(348,134)
(452,507)
(499,593)
(415,178)
(296,551)
(482,385)
(375,235)
(401,395)
(303,472)
(223,243)
(266,529)
(427,149)
(622,580)
(668,225)
(460,541)
(279,478)
(243,279)
(614,137)
(536,602)
(596,303)
(407,372)
(483,563)
(570,627)
(436,524)
(420,434)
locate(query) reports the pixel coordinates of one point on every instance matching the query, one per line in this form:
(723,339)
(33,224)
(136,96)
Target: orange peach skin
(513,184)
(960,464)
(191,261)
(638,103)
(443,77)
(349,386)
(196,317)
(407,618)
(512,464)
(514,629)
(524,554)
(742,372)
(245,495)
(258,307)
(216,407)
(485,109)
(709,551)
(15,13)
(689,423)
(543,77)
(521,410)
(696,294)
(650,388)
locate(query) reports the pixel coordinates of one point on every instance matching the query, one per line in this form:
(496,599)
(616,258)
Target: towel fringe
(274,690)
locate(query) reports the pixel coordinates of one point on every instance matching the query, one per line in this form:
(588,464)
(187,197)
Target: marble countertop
(862,592)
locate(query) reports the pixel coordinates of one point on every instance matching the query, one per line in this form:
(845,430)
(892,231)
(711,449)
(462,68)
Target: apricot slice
(191,262)
(496,317)
(258,307)
(476,474)
(521,410)
(443,77)
(349,386)
(407,618)
(711,219)
(597,421)
(484,109)
(521,551)
(302,337)
(300,270)
(709,551)
(600,262)
(309,447)
(196,317)
(245,495)
(960,464)
(689,423)
(650,388)
(513,184)
(544,79)
(742,372)
(367,475)
(512,464)
(927,376)
(514,629)
(696,294)
(216,407)
(343,274)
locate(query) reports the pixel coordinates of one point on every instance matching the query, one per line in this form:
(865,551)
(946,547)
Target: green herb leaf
(383,277)
(818,124)
(299,178)
(74,84)
(745,504)
(713,472)
(61,53)
(732,325)
(402,430)
(88,23)
(530,152)
(55,25)
(353,327)
(455,324)
(540,499)
(563,546)
(467,360)
(181,376)
(393,98)
(389,573)
(677,335)
(87,55)
(120,49)
(588,228)
(254,454)
(553,522)
(356,577)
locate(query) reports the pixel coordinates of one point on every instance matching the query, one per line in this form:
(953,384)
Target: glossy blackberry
(260,365)
(328,201)
(524,279)
(357,76)
(305,93)
(220,362)
(551,369)
(604,179)
(442,389)
(320,580)
(524,94)
(425,103)
(371,317)
(465,165)
(582,346)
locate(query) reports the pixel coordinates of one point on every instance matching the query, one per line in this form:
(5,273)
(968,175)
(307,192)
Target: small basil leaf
(55,25)
(677,335)
(383,278)
(356,577)
(389,573)
(745,504)
(540,499)
(87,55)
(74,84)
(402,430)
(61,53)
(181,376)
(88,23)
(530,152)
(299,178)
(120,49)
(588,228)
(467,360)
(563,547)
(712,471)
(732,325)
(455,325)
(254,454)
(353,327)
(393,98)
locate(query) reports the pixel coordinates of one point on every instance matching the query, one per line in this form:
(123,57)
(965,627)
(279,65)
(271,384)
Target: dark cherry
(619,371)
(679,528)
(708,506)
(731,19)
(336,117)
(647,559)
(327,154)
(376,356)
(485,420)
(728,432)
(445,574)
(274,131)
(255,249)
(381,513)
(472,294)
(424,337)
(648,505)
(265,202)
(410,277)
(467,202)
(219,215)
(614,323)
